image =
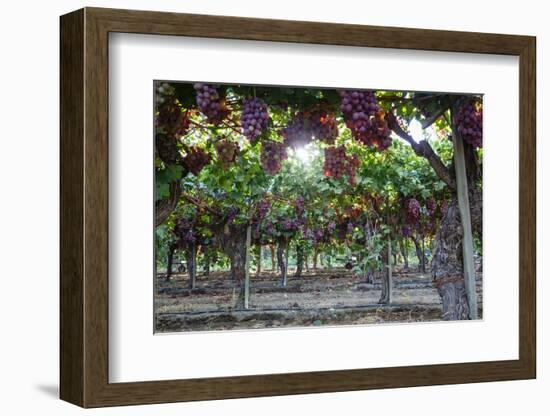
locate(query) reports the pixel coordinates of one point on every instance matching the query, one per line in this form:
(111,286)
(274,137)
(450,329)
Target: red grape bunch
(272,157)
(306,126)
(365,119)
(469,121)
(170,119)
(262,208)
(184,230)
(288,225)
(210,103)
(227,151)
(254,118)
(412,211)
(167,149)
(318,235)
(196,159)
(299,206)
(431,206)
(231,213)
(338,163)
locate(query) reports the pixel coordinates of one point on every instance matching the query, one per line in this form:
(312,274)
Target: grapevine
(273,154)
(338,163)
(227,151)
(210,103)
(254,118)
(196,159)
(469,121)
(365,119)
(412,211)
(167,148)
(306,126)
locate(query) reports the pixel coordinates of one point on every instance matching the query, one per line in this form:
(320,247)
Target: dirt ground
(323,297)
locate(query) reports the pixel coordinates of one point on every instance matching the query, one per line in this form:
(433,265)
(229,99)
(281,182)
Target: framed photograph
(255,207)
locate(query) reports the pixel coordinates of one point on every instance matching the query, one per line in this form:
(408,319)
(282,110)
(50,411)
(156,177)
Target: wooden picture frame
(84,207)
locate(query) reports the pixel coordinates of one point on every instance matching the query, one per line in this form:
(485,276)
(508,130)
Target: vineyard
(279,206)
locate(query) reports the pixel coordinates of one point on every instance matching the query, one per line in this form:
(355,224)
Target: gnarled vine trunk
(272,251)
(299,259)
(258,260)
(164,207)
(420,254)
(315,257)
(404,253)
(447,262)
(191,252)
(233,244)
(386,257)
(170,261)
(282,260)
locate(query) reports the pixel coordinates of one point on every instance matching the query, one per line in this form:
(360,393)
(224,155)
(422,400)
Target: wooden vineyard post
(464,208)
(247,267)
(390,277)
(285,264)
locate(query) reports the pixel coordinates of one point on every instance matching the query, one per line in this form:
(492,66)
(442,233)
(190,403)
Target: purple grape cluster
(349,228)
(269,229)
(365,119)
(288,225)
(319,235)
(272,156)
(210,103)
(167,148)
(306,126)
(254,118)
(169,119)
(406,231)
(307,234)
(184,230)
(299,206)
(227,151)
(262,208)
(231,213)
(412,211)
(469,122)
(331,227)
(196,159)
(338,163)
(431,206)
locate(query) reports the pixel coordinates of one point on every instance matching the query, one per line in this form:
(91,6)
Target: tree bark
(299,259)
(247,267)
(258,260)
(170,261)
(447,266)
(447,259)
(315,257)
(164,207)
(233,244)
(272,251)
(192,264)
(419,254)
(386,295)
(404,253)
(282,261)
(207,264)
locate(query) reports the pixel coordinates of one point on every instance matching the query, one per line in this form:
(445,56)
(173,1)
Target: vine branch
(424,149)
